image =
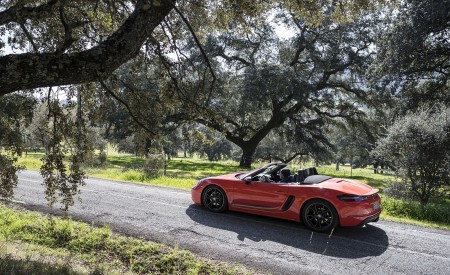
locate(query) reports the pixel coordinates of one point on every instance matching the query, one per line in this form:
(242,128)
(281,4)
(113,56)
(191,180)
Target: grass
(34,243)
(434,214)
(180,173)
(31,161)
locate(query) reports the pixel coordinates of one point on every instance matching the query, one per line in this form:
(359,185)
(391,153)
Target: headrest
(285,172)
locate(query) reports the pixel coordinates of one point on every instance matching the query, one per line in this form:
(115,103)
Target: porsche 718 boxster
(320,202)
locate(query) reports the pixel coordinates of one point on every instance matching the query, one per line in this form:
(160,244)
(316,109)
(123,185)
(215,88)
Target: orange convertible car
(320,202)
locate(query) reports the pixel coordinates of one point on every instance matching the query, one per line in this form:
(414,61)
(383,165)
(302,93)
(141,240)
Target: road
(264,244)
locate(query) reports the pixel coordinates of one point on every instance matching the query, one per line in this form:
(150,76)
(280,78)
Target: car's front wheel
(215,199)
(320,215)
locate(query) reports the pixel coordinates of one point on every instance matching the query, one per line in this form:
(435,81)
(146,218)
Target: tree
(296,141)
(418,145)
(74,25)
(354,140)
(213,145)
(317,75)
(63,42)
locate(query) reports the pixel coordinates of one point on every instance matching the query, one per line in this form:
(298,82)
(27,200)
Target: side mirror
(248,180)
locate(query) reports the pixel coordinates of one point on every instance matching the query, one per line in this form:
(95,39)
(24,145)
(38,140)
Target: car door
(259,195)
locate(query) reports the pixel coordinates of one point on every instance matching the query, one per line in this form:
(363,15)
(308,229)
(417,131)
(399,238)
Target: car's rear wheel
(320,215)
(215,199)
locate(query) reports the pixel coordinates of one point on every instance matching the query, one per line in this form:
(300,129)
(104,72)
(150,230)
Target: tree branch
(68,39)
(205,57)
(29,36)
(116,97)
(34,70)
(19,13)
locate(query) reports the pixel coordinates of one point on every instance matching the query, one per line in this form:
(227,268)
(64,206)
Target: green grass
(34,243)
(180,173)
(31,161)
(434,214)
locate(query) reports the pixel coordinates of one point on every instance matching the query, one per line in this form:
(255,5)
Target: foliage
(412,62)
(8,176)
(154,166)
(432,212)
(398,190)
(82,41)
(414,40)
(213,145)
(419,146)
(352,142)
(293,142)
(60,183)
(15,114)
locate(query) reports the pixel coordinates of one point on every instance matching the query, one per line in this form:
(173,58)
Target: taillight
(349,197)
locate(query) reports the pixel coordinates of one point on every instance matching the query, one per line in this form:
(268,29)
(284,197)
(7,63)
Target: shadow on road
(354,242)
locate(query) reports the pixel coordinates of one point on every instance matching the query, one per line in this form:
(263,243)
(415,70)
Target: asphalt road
(265,244)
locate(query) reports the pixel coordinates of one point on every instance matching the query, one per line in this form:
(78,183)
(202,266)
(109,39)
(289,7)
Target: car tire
(320,215)
(214,199)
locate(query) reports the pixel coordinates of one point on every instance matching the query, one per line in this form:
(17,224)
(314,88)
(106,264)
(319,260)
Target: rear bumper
(355,220)
(354,214)
(373,218)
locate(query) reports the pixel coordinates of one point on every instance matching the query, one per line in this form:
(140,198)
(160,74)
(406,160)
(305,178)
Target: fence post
(165,164)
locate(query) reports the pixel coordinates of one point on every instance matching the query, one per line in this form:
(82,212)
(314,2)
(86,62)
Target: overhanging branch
(34,70)
(130,111)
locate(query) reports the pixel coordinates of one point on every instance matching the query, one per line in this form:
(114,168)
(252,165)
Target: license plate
(376,205)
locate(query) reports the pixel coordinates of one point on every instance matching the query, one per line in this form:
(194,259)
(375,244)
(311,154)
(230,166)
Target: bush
(419,147)
(398,190)
(154,166)
(102,157)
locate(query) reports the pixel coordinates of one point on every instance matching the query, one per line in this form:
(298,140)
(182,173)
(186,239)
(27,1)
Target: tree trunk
(248,151)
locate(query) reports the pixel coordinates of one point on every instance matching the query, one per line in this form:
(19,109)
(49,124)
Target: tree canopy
(64,42)
(145,67)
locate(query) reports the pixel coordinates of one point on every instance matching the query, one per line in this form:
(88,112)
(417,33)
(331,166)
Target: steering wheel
(265,178)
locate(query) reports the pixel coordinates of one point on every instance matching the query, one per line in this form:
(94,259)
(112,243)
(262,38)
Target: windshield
(243,175)
(267,169)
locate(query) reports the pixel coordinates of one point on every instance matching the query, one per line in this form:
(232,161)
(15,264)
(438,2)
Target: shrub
(154,166)
(419,146)
(398,190)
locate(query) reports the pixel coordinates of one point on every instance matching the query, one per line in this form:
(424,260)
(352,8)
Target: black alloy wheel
(320,215)
(215,199)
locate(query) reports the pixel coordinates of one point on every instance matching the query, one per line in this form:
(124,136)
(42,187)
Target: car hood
(227,176)
(348,186)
